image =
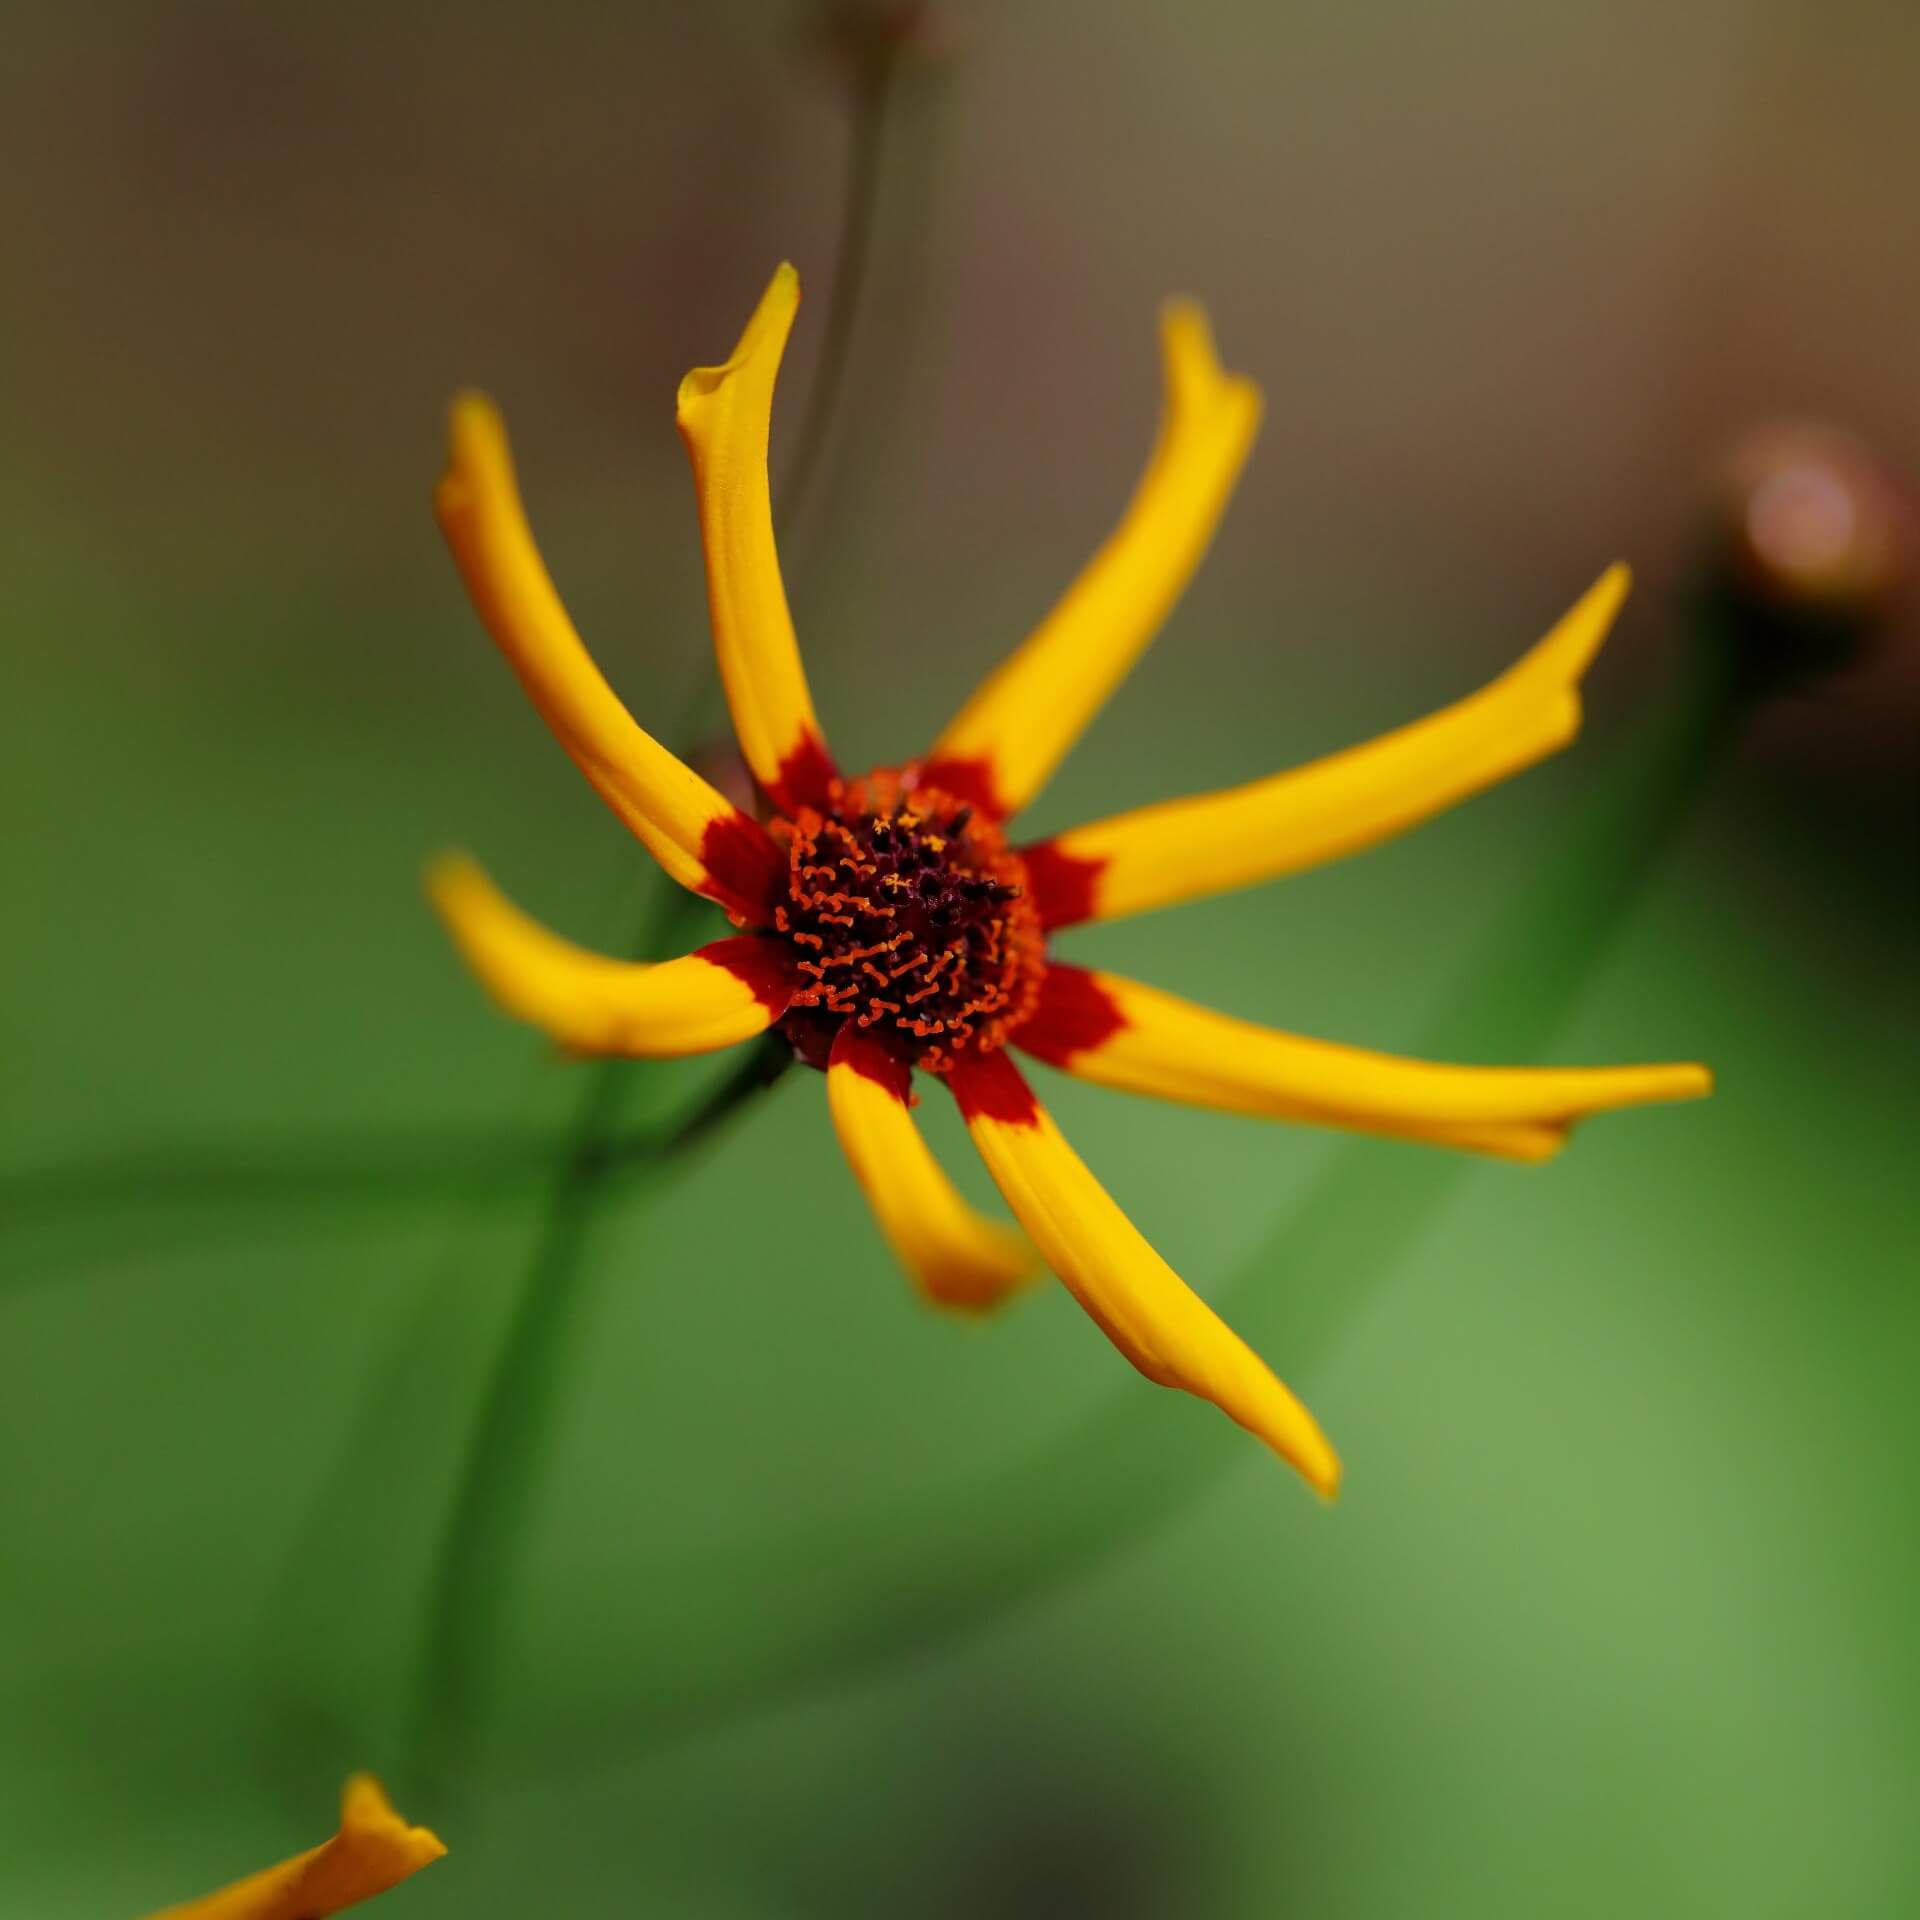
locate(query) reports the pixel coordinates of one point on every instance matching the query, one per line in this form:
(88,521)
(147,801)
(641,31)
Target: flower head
(374,1850)
(890,924)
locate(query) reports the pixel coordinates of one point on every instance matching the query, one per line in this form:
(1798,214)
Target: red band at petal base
(988,1086)
(1063,885)
(1074,1015)
(854,1047)
(764,967)
(746,872)
(806,776)
(968,779)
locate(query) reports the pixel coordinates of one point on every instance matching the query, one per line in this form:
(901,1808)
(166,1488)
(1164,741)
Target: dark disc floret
(909,915)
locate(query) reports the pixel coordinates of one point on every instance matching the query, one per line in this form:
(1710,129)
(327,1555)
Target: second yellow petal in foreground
(1121,1034)
(725,415)
(957,1257)
(1156,1320)
(1186,849)
(699,836)
(591,1004)
(1017,728)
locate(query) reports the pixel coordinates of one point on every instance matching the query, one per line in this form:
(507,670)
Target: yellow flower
(888,923)
(374,1850)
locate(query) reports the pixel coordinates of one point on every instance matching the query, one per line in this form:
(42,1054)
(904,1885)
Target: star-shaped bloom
(890,924)
(374,1850)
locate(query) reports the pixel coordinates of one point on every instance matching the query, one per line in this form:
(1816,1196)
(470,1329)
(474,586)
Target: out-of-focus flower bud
(863,38)
(1814,541)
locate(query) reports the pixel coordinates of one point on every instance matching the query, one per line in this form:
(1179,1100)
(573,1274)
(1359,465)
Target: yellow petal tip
(1007,1266)
(763,339)
(452,877)
(774,314)
(1603,600)
(1675,1080)
(1560,661)
(476,455)
(1531,1146)
(1197,385)
(1184,319)
(473,421)
(1192,362)
(367,1815)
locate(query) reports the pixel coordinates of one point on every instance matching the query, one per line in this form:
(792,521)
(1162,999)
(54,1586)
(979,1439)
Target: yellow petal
(725,992)
(955,1256)
(1018,727)
(725,415)
(694,831)
(1139,1302)
(1121,1034)
(1185,849)
(374,1850)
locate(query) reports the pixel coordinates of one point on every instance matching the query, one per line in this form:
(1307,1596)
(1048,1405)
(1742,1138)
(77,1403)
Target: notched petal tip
(373,1851)
(1551,672)
(763,340)
(368,1819)
(1186,338)
(1193,375)
(1568,650)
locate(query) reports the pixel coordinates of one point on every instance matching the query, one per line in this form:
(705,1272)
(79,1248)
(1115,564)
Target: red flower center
(909,915)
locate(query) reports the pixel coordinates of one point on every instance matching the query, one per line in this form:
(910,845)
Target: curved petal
(1184,849)
(1139,1040)
(1020,725)
(724,993)
(725,414)
(957,1257)
(374,1850)
(702,839)
(1138,1301)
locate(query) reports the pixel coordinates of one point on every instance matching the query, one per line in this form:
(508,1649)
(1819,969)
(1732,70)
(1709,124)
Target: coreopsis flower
(374,1850)
(891,925)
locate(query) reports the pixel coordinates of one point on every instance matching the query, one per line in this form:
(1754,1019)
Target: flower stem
(509,1451)
(507,1455)
(872,82)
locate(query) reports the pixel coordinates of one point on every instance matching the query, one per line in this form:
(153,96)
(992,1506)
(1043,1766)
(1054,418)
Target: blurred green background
(822,1604)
